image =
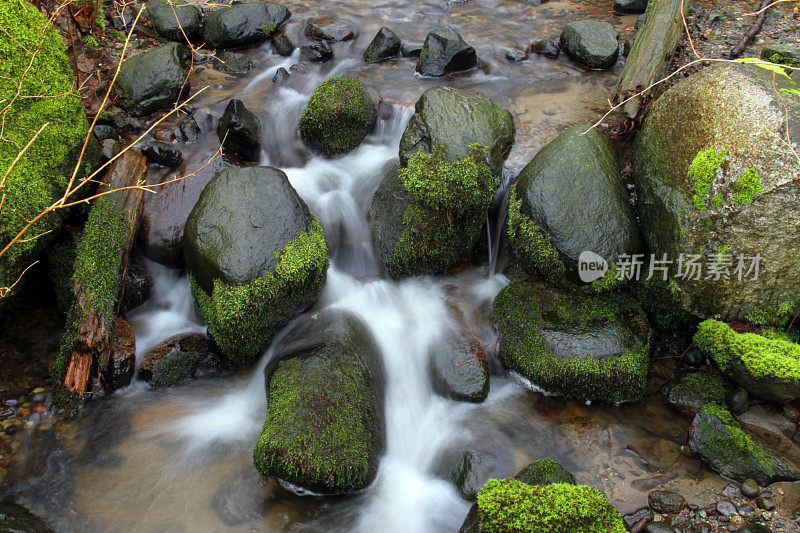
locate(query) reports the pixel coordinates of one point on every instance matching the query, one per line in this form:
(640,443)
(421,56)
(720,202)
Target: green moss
(746,187)
(90,45)
(763,357)
(60,267)
(522,309)
(784,60)
(531,246)
(777,316)
(662,301)
(242,318)
(545,472)
(445,221)
(268,28)
(508,505)
(338,116)
(47,96)
(702,172)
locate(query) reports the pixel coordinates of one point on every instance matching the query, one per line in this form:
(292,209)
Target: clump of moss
(692,391)
(338,116)
(509,505)
(662,302)
(90,45)
(702,171)
(443,224)
(532,247)
(746,187)
(46,96)
(545,472)
(242,318)
(776,316)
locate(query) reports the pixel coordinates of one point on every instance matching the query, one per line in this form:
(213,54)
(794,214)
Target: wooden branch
(754,29)
(95,326)
(652,51)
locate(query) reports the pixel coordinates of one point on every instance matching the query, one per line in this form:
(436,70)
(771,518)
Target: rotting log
(652,52)
(101,266)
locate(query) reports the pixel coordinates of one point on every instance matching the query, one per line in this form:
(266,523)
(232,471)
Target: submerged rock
(138,284)
(256,256)
(318,52)
(385,45)
(568,343)
(163,154)
(722,189)
(546,47)
(630,6)
(243,24)
(177,21)
(181,358)
(470,469)
(666,502)
(330,29)
(458,368)
(15,518)
(445,52)
(153,80)
(239,131)
(591,43)
(324,426)
(693,391)
(282,44)
(232,63)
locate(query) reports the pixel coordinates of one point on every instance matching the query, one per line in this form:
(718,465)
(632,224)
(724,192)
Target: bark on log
(93,316)
(652,51)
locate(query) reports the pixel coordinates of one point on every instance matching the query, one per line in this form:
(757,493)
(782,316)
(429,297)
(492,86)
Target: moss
(338,116)
(521,310)
(662,301)
(47,97)
(445,221)
(268,28)
(545,472)
(777,316)
(702,172)
(531,246)
(694,390)
(746,187)
(242,318)
(509,505)
(60,266)
(90,45)
(763,357)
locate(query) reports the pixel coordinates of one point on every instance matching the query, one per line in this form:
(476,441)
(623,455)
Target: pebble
(750,488)
(765,504)
(731,491)
(12,402)
(747,510)
(726,508)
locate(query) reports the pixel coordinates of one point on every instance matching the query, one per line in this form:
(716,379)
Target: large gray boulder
(715,177)
(176,22)
(454,119)
(153,80)
(444,52)
(572,197)
(591,43)
(243,24)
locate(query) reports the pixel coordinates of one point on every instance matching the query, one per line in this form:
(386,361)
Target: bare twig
(754,29)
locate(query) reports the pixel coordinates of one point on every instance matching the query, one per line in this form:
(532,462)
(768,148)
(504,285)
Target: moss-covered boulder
(46,96)
(455,119)
(324,426)
(428,216)
(256,256)
(572,344)
(718,438)
(177,22)
(243,24)
(692,391)
(767,367)
(716,181)
(153,80)
(340,113)
(545,472)
(570,199)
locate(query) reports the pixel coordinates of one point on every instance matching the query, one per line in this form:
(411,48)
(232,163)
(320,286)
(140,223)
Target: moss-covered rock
(340,113)
(256,256)
(693,391)
(572,344)
(718,438)
(570,199)
(324,426)
(153,80)
(767,367)
(181,358)
(661,301)
(429,216)
(243,24)
(46,96)
(723,187)
(545,472)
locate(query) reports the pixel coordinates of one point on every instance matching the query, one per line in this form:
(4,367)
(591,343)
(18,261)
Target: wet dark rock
(123,124)
(280,76)
(411,50)
(232,63)
(243,24)
(189,129)
(282,44)
(17,519)
(330,29)
(385,45)
(458,368)
(454,119)
(659,527)
(468,470)
(175,21)
(731,491)
(514,54)
(694,390)
(153,80)
(754,528)
(122,361)
(239,500)
(181,358)
(627,46)
(765,504)
(317,52)
(445,52)
(694,357)
(163,154)
(726,508)
(138,284)
(750,488)
(638,519)
(747,510)
(239,131)
(546,47)
(666,502)
(591,43)
(738,400)
(630,6)
(102,132)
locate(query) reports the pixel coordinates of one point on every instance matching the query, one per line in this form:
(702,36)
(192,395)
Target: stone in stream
(176,21)
(256,255)
(317,52)
(512,53)
(181,358)
(468,469)
(163,154)
(324,425)
(666,502)
(239,131)
(123,356)
(630,6)
(546,47)
(593,348)
(570,199)
(458,368)
(719,440)
(723,188)
(243,24)
(340,113)
(445,52)
(153,80)
(411,49)
(282,44)
(385,45)
(455,119)
(591,43)
(280,76)
(243,498)
(232,63)
(786,54)
(693,391)
(738,400)
(545,472)
(330,29)
(138,284)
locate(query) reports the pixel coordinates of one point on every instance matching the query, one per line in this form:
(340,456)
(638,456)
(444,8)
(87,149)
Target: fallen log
(652,52)
(101,265)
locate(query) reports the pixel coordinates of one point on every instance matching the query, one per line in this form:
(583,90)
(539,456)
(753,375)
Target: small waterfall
(496,219)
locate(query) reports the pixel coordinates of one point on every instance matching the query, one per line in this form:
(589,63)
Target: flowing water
(179,459)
